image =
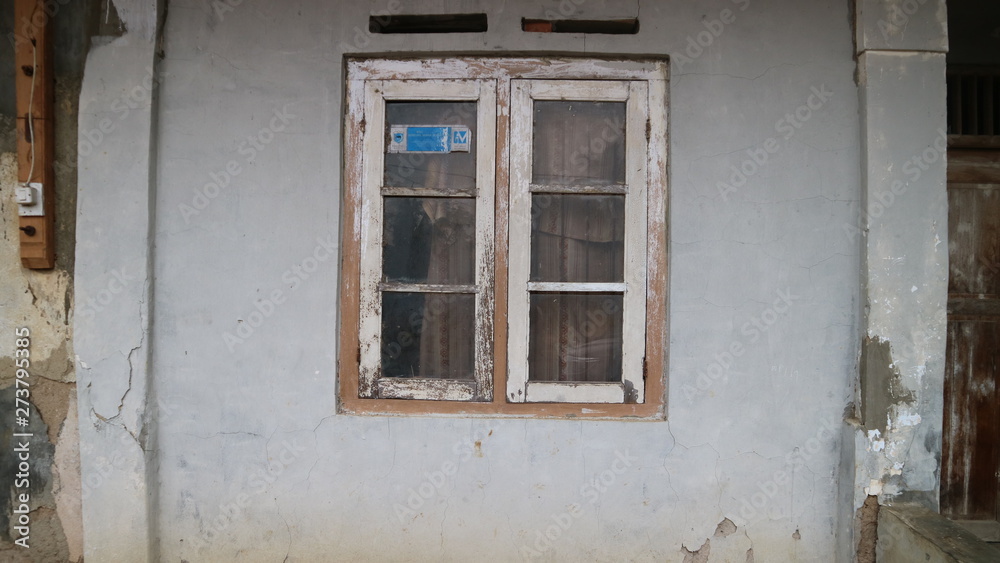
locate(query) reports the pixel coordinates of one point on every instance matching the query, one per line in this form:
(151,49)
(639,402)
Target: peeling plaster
(37,300)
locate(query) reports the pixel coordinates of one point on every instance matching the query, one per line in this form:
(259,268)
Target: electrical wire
(31,109)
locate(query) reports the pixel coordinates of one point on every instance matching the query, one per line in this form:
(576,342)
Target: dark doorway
(970,465)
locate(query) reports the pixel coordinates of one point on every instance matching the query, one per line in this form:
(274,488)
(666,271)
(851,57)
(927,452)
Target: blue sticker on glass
(429,138)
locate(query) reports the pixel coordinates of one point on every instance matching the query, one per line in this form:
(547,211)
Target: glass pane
(575,337)
(577,238)
(445,170)
(429,240)
(428,335)
(578,143)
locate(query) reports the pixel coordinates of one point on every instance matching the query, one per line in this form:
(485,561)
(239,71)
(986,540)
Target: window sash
(631,388)
(370,382)
(356,396)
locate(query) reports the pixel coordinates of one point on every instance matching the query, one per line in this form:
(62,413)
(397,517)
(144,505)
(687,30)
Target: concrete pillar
(902,230)
(113,287)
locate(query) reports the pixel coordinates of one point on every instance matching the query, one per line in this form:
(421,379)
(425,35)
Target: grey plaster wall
(254,462)
(235,450)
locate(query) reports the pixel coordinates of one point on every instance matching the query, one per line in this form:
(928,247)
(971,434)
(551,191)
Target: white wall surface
(253,462)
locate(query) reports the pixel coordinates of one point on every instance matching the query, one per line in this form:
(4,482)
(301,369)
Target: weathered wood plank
(973,166)
(560,392)
(971,453)
(974,241)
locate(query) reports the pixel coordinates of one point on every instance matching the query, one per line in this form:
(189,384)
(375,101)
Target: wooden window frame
(372,80)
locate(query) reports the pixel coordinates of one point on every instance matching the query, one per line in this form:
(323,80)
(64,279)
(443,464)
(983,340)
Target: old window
(504,237)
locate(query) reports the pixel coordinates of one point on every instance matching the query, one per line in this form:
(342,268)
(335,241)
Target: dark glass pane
(575,337)
(448,170)
(578,143)
(429,240)
(577,238)
(428,335)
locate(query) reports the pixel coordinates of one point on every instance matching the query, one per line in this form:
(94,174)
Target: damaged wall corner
(42,301)
(904,252)
(112,348)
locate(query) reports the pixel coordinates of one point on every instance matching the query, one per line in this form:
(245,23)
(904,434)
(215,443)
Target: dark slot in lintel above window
(611,27)
(428,23)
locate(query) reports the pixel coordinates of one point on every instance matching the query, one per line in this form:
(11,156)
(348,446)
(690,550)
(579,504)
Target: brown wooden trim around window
(350,244)
(503,69)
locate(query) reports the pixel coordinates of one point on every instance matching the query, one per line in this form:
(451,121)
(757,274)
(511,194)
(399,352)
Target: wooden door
(970,465)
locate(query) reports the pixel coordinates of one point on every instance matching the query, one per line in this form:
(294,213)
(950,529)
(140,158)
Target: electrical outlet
(30,200)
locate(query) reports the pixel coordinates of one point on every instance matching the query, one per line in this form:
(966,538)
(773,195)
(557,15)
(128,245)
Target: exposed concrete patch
(881,384)
(40,301)
(40,462)
(67,486)
(867,526)
(47,541)
(725,528)
(729,546)
(700,555)
(8,135)
(52,399)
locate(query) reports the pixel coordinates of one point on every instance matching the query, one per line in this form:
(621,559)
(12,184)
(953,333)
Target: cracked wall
(245,456)
(253,459)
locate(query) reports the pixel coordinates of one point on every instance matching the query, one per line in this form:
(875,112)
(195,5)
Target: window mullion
(520,239)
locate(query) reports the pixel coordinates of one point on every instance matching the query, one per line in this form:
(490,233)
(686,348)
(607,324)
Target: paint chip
(725,528)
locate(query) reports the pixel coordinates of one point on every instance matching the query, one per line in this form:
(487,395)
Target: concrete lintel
(113,290)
